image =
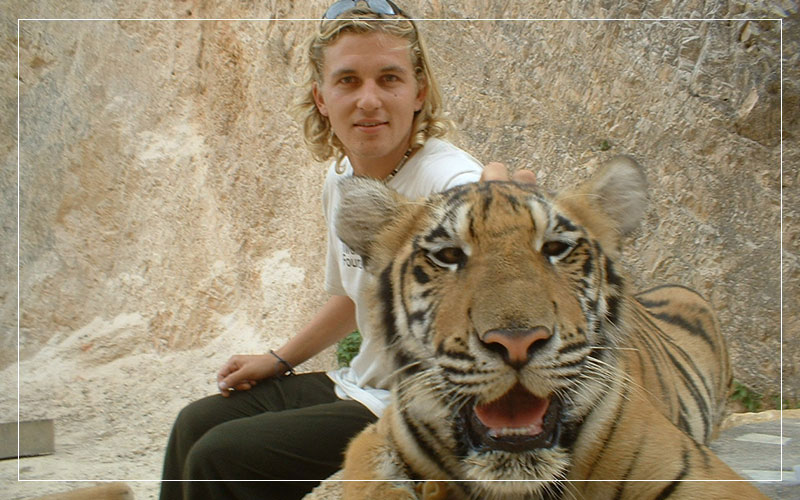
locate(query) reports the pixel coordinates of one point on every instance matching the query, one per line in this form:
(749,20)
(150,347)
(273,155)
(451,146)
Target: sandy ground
(112,416)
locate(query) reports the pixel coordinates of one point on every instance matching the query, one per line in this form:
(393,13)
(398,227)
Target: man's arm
(331,323)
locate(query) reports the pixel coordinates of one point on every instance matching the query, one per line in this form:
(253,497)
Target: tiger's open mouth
(517,421)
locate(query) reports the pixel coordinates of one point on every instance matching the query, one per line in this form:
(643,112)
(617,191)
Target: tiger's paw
(380,490)
(432,490)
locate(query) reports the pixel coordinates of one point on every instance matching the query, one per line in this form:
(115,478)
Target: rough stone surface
(170,217)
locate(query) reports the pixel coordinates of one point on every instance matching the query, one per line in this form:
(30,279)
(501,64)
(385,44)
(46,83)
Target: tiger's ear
(367,207)
(620,188)
(612,202)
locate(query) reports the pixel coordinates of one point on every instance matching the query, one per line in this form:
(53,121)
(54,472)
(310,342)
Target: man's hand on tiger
(496,171)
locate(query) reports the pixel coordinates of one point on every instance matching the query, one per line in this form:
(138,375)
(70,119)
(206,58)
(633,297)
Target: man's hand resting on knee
(243,371)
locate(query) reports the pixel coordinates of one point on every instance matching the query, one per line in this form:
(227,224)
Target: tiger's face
(498,305)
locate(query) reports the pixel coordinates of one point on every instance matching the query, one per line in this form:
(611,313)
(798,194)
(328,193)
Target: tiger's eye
(450,255)
(555,248)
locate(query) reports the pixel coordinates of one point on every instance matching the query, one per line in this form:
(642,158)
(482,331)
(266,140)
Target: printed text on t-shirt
(350,258)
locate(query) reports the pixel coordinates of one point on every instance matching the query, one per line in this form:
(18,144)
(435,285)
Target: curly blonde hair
(428,122)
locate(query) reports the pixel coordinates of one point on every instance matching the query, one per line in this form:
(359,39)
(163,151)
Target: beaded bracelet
(290,368)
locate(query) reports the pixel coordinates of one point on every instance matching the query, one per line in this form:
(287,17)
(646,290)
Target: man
(372,105)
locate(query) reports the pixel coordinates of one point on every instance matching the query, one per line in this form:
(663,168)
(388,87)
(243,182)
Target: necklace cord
(400,165)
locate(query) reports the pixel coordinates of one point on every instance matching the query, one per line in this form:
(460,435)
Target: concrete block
(37,437)
(110,491)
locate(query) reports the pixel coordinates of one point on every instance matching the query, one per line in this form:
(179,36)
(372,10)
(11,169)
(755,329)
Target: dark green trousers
(275,441)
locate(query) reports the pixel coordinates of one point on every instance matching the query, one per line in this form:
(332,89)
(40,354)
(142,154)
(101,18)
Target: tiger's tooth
(530,430)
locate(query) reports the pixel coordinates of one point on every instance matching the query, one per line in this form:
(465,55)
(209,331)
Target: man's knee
(209,455)
(194,420)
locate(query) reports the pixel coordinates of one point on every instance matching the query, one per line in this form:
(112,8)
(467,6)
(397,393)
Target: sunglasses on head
(385,7)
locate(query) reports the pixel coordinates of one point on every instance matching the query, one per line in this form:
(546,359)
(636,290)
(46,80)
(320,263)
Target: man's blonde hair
(428,122)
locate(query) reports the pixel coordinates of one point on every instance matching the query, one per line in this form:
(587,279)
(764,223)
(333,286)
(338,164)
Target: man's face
(369,92)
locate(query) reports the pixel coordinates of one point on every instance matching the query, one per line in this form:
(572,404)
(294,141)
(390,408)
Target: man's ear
(319,100)
(421,94)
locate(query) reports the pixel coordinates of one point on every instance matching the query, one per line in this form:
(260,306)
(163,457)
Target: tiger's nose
(516,345)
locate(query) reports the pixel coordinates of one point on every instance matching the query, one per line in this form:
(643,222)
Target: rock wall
(163,179)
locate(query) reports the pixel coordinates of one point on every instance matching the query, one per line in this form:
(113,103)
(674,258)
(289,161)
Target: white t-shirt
(436,167)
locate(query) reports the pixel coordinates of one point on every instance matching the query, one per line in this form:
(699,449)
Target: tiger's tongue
(517,409)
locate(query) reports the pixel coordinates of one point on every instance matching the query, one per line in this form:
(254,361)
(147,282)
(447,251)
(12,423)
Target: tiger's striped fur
(523,365)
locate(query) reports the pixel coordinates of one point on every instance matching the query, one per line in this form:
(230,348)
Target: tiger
(523,366)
